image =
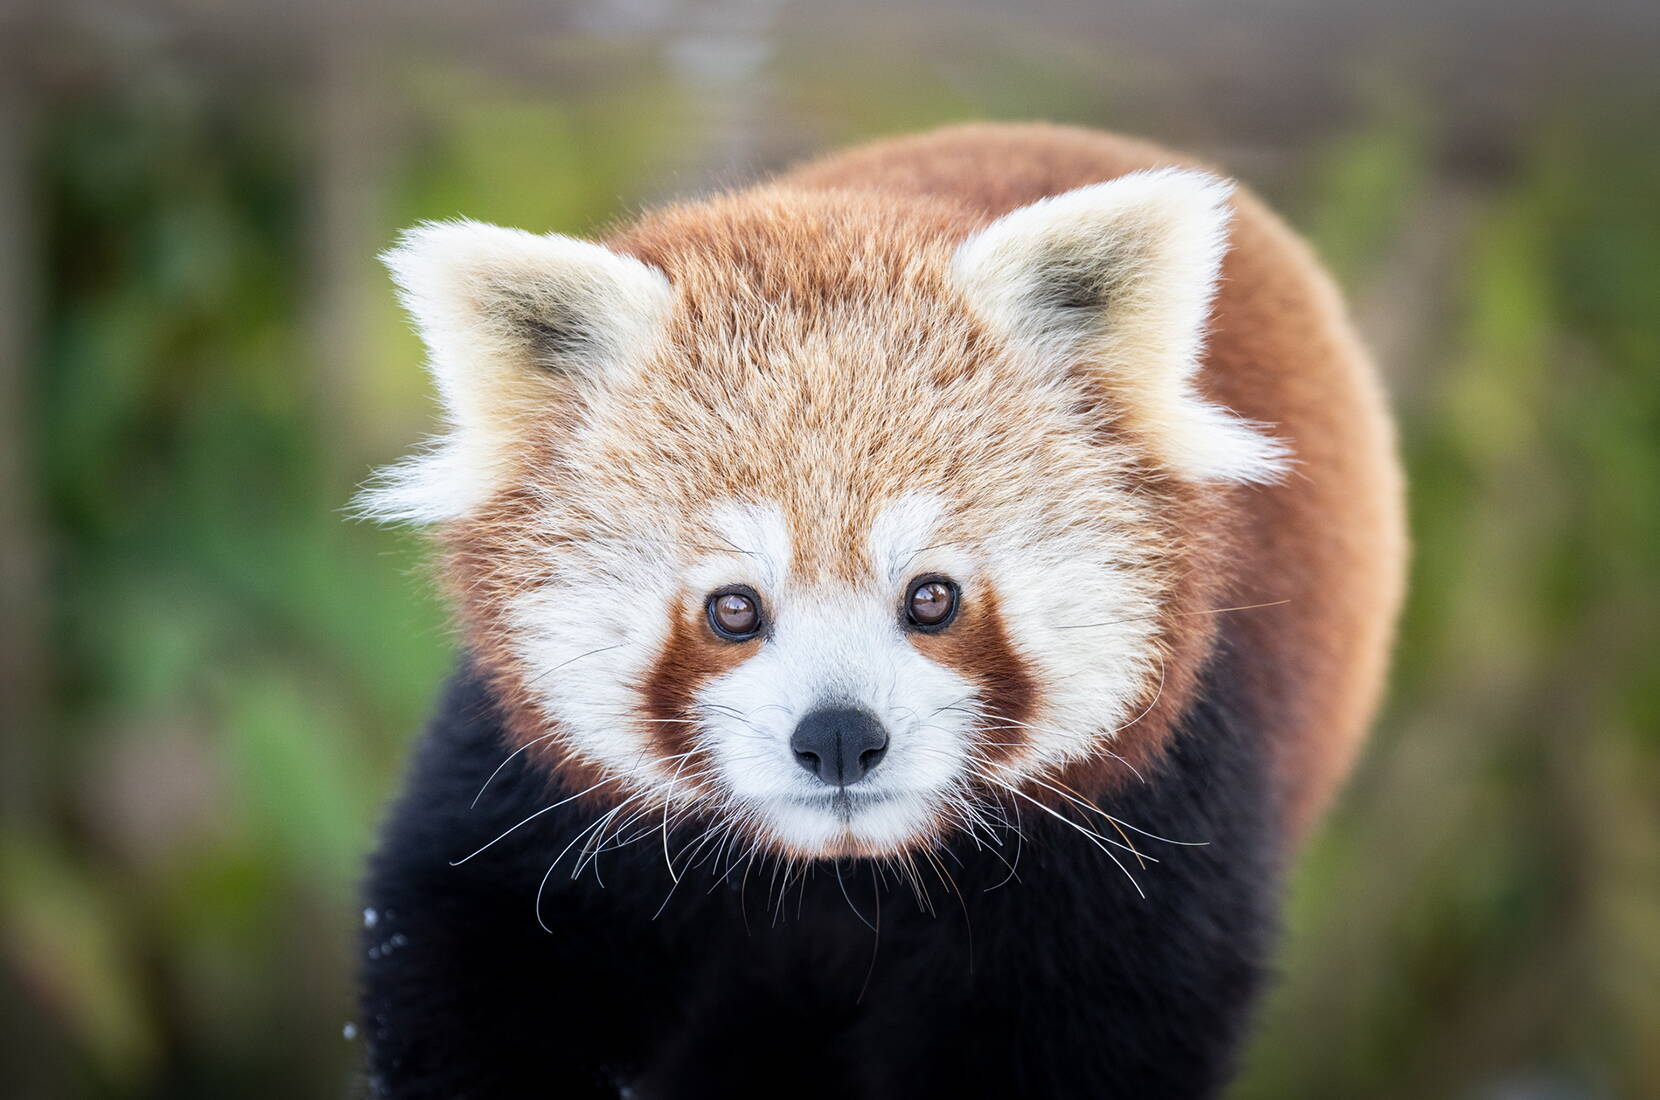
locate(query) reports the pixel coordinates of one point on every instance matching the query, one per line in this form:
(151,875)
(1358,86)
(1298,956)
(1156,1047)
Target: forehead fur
(817,356)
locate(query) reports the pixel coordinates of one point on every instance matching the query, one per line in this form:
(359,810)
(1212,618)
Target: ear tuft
(513,323)
(1118,277)
(542,299)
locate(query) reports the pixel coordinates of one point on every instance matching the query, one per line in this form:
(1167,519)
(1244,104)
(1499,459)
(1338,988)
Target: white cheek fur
(842,645)
(582,662)
(1083,611)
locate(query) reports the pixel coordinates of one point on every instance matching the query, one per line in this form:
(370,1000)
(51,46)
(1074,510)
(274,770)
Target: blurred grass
(235,671)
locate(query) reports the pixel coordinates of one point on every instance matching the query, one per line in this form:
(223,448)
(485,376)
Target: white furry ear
(513,323)
(1119,276)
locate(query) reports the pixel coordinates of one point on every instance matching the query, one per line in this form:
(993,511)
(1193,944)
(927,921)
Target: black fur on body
(1061,981)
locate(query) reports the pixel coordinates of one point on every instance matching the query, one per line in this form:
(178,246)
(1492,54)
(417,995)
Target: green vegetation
(233,670)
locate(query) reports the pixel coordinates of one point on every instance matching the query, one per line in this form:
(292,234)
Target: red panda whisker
(995,850)
(721,708)
(701,548)
(1148,709)
(729,850)
(1241,607)
(969,822)
(951,706)
(1115,820)
(906,564)
(1095,838)
(743,884)
(757,851)
(907,863)
(1088,805)
(1133,769)
(474,803)
(696,845)
(801,886)
(876,941)
(1014,724)
(941,871)
(1127,845)
(593,845)
(597,842)
(994,805)
(732,712)
(562,852)
(719,827)
(645,810)
(1121,823)
(674,885)
(592,652)
(728,833)
(1019,847)
(732,546)
(779,866)
(1178,614)
(668,805)
(1110,622)
(619,841)
(533,817)
(837,865)
(976,819)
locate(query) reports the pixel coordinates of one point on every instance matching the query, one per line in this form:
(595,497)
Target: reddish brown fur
(1331,538)
(690,658)
(978,644)
(879,224)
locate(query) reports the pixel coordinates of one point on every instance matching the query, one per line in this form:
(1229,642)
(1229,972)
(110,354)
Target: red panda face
(808,516)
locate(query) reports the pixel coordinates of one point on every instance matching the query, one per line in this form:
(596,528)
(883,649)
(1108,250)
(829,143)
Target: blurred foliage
(235,671)
(1482,916)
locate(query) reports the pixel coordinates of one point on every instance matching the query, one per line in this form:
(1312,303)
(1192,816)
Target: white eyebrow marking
(756,542)
(901,531)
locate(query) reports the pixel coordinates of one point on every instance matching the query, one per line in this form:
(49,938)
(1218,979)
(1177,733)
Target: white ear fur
(1120,275)
(512,321)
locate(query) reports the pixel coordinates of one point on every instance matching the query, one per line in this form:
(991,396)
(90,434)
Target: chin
(848,824)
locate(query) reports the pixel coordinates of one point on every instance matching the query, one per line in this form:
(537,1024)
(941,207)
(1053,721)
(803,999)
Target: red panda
(1005,514)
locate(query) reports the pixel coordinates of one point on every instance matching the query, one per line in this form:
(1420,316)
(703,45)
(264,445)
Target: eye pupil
(932,603)
(734,614)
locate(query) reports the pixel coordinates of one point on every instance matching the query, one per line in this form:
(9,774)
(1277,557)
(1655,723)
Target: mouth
(843,802)
(848,822)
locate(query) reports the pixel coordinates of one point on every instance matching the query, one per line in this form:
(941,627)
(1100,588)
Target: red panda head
(836,518)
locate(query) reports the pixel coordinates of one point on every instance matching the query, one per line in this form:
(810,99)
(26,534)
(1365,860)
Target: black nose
(840,745)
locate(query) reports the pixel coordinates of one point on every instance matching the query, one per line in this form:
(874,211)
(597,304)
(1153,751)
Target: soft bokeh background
(210,676)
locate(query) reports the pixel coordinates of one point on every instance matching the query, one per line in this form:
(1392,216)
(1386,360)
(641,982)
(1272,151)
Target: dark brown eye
(735,614)
(931,603)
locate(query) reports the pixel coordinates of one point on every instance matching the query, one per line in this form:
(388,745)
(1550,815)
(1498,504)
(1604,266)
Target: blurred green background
(210,676)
